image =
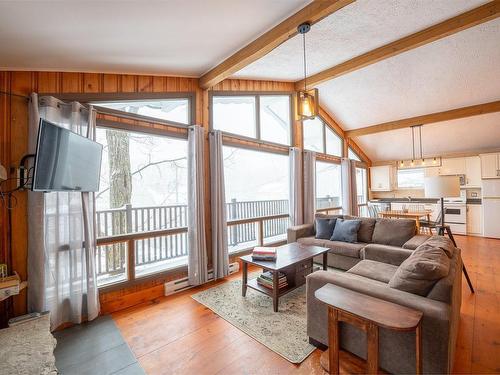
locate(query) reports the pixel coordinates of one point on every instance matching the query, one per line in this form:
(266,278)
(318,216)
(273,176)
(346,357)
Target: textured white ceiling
(462,135)
(352,31)
(181,37)
(460,70)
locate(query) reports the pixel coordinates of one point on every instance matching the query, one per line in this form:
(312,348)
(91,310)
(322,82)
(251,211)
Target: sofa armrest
(385,254)
(416,241)
(299,231)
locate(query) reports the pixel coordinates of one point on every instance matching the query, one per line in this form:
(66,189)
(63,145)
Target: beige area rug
(283,332)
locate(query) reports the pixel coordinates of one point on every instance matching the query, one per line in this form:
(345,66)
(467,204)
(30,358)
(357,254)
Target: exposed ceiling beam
(451,26)
(452,114)
(264,44)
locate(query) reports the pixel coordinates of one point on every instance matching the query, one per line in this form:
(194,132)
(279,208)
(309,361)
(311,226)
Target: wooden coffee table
(294,260)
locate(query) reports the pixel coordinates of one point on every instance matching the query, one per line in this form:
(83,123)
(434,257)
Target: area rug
(283,332)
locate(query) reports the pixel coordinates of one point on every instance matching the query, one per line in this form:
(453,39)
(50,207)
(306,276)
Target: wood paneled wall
(13,145)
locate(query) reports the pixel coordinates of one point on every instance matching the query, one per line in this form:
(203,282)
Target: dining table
(408,214)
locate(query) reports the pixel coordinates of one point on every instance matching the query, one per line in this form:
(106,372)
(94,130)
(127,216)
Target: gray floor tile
(133,369)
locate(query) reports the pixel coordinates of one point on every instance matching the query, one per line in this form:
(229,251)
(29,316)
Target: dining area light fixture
(418,161)
(307,100)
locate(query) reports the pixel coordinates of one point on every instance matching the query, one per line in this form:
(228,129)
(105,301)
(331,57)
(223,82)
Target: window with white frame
(328,185)
(362,191)
(256,186)
(319,137)
(411,178)
(265,117)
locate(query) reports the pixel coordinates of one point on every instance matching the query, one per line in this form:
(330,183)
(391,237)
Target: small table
(294,260)
(368,314)
(415,215)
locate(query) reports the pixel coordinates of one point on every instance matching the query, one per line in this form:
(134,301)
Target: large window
(362,191)
(263,117)
(319,137)
(175,109)
(143,188)
(256,185)
(411,178)
(328,185)
(352,155)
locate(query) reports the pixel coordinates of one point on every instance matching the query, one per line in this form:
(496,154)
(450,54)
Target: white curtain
(349,191)
(61,230)
(220,254)
(295,186)
(197,255)
(309,186)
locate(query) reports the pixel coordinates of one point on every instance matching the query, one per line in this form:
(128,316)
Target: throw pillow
(421,270)
(324,228)
(444,243)
(346,230)
(366,228)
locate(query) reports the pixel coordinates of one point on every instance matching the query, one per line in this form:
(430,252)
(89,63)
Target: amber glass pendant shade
(307,104)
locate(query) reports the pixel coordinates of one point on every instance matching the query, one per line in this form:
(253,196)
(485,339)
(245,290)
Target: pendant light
(307,100)
(419,162)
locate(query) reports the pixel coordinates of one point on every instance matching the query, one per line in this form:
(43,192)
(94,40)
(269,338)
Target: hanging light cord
(413,140)
(305,61)
(421,149)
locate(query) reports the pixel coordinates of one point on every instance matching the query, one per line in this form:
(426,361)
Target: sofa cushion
(423,268)
(344,248)
(374,270)
(386,254)
(324,227)
(444,243)
(366,228)
(416,241)
(346,230)
(393,232)
(311,241)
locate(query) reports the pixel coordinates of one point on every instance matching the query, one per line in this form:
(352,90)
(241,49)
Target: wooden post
(372,355)
(333,341)
(418,351)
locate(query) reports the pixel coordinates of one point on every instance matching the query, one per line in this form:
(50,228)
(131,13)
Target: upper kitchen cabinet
(382,178)
(452,166)
(490,165)
(473,172)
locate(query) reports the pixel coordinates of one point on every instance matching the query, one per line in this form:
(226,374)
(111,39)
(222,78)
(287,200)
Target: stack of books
(266,280)
(264,253)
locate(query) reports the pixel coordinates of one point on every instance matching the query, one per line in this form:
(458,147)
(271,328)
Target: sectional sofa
(385,247)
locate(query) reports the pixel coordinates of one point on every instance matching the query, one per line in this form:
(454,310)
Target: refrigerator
(491,208)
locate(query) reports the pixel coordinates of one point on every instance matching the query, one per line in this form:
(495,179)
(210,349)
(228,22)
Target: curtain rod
(12,94)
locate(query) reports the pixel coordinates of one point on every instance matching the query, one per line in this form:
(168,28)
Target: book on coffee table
(264,253)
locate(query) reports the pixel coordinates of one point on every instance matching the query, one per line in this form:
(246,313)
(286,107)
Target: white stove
(456,213)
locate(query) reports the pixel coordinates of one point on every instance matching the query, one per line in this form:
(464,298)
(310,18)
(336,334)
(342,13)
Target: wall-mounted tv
(65,161)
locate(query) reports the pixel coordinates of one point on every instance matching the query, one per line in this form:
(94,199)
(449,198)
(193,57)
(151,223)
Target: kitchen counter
(404,200)
(474,201)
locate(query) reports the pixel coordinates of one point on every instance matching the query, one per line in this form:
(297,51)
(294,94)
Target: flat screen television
(65,161)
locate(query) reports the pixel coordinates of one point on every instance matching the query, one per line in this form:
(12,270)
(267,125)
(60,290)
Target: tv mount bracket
(22,170)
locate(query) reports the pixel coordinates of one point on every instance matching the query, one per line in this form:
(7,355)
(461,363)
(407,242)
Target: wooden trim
(453,114)
(287,29)
(168,131)
(139,236)
(256,219)
(443,29)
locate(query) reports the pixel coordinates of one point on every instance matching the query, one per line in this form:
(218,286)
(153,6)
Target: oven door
(455,213)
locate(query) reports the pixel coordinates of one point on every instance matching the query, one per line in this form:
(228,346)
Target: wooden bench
(368,314)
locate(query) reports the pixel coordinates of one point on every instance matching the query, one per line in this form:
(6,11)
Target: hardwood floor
(177,335)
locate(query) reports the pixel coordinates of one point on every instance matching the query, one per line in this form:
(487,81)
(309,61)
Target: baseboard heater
(179,285)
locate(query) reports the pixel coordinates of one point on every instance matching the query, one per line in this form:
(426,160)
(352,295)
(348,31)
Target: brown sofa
(373,268)
(398,235)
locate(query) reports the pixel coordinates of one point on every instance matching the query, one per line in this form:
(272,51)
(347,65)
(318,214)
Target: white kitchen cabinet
(382,178)
(473,172)
(452,166)
(474,219)
(490,165)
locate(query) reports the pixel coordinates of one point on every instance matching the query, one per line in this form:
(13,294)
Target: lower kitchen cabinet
(474,219)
